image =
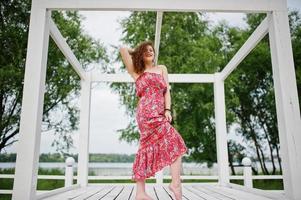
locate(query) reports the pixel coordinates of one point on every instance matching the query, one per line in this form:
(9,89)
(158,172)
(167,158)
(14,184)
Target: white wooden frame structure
(287,104)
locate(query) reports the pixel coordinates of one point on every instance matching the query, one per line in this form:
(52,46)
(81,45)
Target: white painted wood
(149,189)
(248,182)
(243,191)
(235,194)
(174,78)
(158,34)
(267,177)
(216,194)
(57,191)
(6,191)
(95,193)
(84,127)
(69,171)
(126,193)
(193,191)
(161,193)
(187,194)
(221,130)
(65,49)
(247,47)
(200,193)
(133,193)
(116,191)
(71,194)
(287,103)
(167,5)
(28,146)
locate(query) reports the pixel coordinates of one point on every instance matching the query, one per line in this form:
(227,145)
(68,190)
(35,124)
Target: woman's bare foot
(176,189)
(143,196)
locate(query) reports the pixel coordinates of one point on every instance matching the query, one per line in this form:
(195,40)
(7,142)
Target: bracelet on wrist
(167,109)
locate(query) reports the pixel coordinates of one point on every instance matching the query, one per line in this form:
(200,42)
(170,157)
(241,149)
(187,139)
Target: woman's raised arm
(127,59)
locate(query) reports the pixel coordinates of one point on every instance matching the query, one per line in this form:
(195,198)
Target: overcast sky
(107,115)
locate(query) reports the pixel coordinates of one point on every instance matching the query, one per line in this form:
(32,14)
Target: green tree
(62,82)
(190,45)
(250,92)
(187,46)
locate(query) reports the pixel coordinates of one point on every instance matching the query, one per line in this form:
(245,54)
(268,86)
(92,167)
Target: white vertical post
(248,181)
(28,146)
(287,103)
(221,130)
(69,171)
(83,153)
(159,177)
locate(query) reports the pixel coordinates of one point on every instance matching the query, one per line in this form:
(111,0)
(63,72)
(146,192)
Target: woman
(160,144)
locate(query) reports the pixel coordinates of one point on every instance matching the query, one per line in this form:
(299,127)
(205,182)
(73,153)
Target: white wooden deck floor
(161,192)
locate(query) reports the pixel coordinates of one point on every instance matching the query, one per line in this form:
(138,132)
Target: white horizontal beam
(158,34)
(175,78)
(166,5)
(246,48)
(66,50)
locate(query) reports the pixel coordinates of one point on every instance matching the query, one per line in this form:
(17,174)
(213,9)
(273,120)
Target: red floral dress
(160,144)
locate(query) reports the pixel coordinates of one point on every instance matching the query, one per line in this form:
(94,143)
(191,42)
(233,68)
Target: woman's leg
(175,185)
(140,192)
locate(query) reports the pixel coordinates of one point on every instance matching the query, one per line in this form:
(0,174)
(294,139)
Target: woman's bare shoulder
(163,68)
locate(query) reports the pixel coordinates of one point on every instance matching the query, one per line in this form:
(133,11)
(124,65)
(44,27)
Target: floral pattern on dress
(160,144)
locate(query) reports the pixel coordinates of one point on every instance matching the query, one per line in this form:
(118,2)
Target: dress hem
(173,159)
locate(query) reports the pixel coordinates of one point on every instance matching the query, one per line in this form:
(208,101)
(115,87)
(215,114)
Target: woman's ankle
(176,183)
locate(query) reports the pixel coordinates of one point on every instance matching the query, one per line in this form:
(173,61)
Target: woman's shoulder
(163,68)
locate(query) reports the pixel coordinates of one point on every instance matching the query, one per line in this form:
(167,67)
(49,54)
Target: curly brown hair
(137,56)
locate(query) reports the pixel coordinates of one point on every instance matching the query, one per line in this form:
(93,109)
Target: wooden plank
(212,193)
(256,191)
(158,192)
(41,194)
(126,192)
(161,193)
(149,189)
(113,194)
(71,194)
(93,190)
(187,194)
(241,194)
(168,191)
(133,193)
(218,189)
(199,193)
